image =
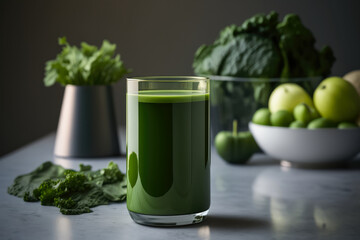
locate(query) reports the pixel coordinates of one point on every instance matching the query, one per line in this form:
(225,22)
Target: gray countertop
(260,200)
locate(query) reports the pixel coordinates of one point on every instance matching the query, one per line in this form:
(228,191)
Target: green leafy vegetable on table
(74,192)
(87,65)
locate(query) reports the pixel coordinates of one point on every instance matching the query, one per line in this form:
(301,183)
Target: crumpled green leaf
(74,192)
(28,182)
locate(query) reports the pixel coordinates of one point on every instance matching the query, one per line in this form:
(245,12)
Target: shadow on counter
(234,222)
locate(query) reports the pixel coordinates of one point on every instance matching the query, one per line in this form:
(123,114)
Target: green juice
(168,152)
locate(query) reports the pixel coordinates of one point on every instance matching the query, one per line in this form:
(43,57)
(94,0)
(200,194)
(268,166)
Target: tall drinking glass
(168,150)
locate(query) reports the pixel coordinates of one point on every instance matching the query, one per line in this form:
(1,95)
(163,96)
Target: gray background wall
(154,38)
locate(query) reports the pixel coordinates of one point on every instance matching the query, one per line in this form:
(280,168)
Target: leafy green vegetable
(264,47)
(300,56)
(259,49)
(234,56)
(261,24)
(87,65)
(71,191)
(25,184)
(241,53)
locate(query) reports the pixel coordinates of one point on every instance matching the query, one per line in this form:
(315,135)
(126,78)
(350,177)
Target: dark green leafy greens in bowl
(87,65)
(264,47)
(245,63)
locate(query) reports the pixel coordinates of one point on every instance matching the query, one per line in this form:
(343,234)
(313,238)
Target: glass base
(168,221)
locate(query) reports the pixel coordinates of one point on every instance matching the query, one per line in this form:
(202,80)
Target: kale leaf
(300,56)
(71,191)
(239,55)
(264,47)
(262,24)
(24,185)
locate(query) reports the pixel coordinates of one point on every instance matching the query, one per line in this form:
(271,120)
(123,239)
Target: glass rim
(263,79)
(168,79)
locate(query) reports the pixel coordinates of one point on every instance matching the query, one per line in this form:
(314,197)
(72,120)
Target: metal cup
(87,125)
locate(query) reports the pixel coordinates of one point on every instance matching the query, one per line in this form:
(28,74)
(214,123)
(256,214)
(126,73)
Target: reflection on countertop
(322,203)
(63,228)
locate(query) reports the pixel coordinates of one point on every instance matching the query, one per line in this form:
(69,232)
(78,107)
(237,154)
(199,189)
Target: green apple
(304,113)
(297,124)
(235,147)
(337,100)
(281,118)
(345,125)
(262,117)
(286,96)
(321,123)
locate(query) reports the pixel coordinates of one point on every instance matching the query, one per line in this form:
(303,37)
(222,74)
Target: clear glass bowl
(234,98)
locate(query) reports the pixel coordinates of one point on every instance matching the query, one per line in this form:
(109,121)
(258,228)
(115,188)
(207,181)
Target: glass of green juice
(168,149)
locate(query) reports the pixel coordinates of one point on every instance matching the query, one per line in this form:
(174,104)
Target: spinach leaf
(71,191)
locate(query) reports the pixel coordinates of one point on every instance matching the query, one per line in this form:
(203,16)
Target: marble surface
(258,201)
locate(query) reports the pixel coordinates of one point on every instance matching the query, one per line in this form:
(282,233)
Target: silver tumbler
(87,125)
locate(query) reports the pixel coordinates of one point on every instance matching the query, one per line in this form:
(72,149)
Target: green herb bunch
(87,65)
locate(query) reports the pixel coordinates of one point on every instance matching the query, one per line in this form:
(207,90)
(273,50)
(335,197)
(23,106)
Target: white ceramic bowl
(307,147)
